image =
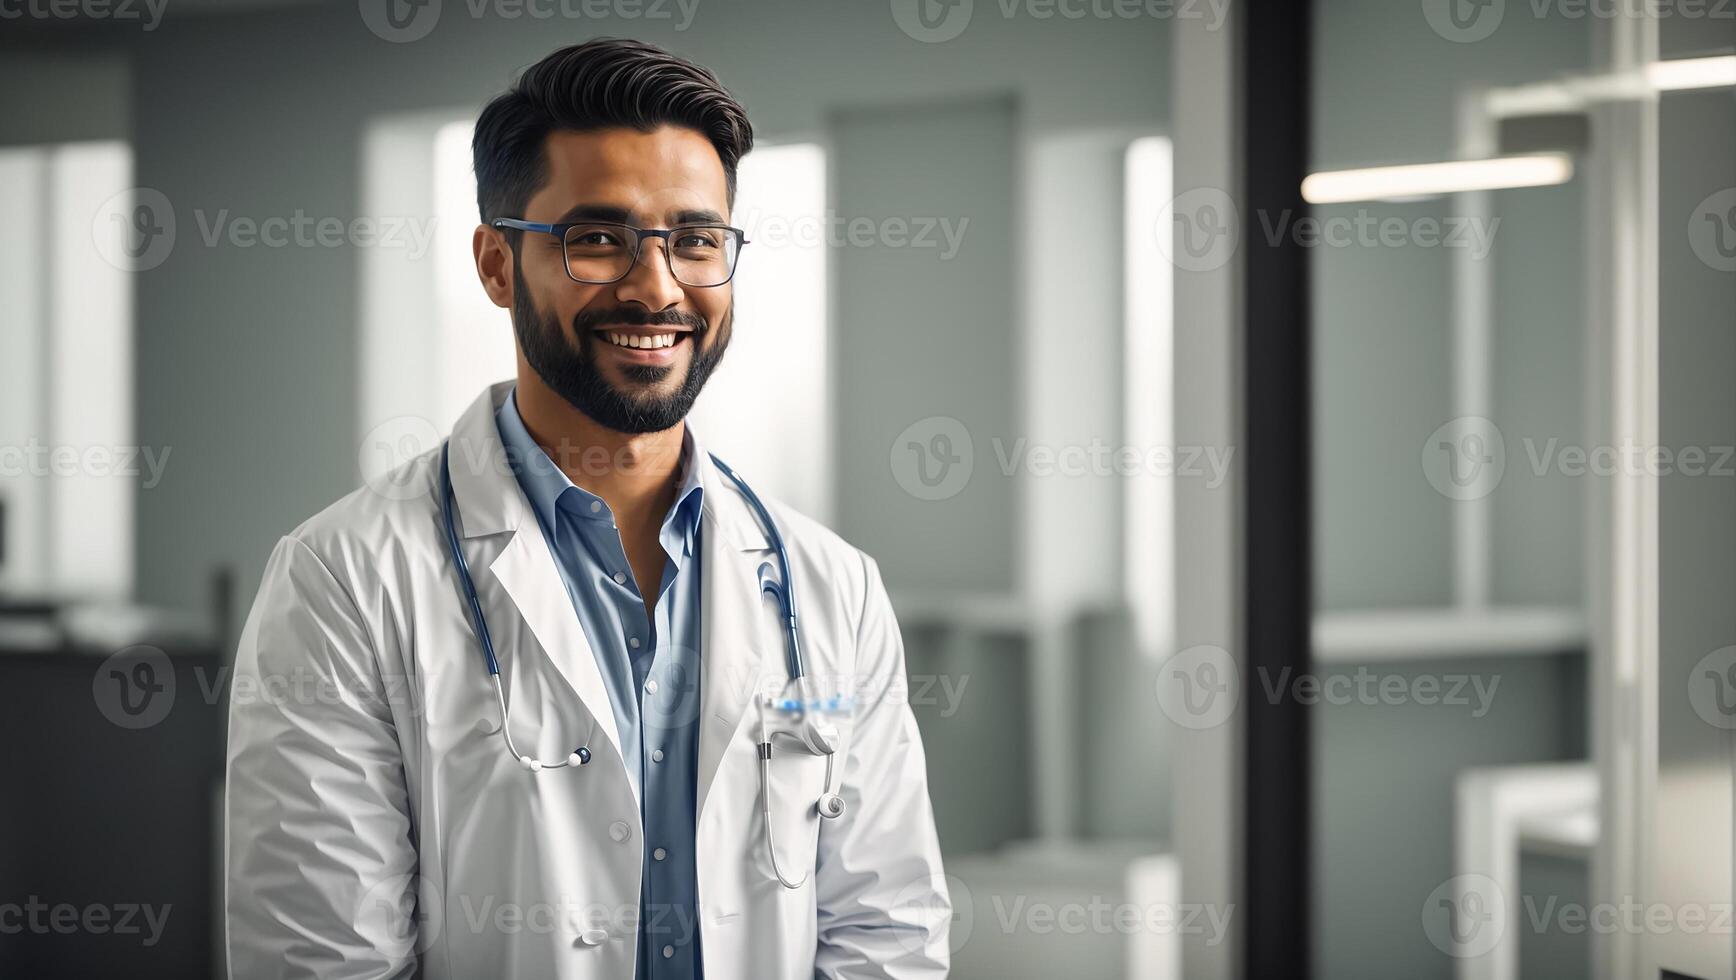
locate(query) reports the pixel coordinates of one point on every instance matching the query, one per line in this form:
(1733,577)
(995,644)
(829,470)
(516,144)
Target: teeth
(642,343)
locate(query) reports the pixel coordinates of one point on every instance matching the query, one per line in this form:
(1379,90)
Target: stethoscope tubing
(784,593)
(781,590)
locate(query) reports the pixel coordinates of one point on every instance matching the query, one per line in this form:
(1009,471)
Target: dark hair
(604,82)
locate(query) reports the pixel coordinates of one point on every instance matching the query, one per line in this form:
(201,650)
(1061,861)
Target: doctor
(668,737)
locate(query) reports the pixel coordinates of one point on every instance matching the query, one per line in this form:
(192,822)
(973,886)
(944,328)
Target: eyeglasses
(599,252)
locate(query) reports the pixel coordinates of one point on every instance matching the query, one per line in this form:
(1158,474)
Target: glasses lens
(703,255)
(599,252)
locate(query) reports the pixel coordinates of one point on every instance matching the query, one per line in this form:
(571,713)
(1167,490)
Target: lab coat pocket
(798,779)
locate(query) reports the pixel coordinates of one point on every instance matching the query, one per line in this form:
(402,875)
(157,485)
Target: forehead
(652,175)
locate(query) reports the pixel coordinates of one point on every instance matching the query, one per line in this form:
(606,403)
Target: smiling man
(559,728)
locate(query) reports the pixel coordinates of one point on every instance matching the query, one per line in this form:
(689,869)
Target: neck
(636,474)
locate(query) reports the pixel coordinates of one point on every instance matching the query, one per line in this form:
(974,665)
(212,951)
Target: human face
(569,332)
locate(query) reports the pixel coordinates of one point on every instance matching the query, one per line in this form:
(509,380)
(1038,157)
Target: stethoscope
(804,710)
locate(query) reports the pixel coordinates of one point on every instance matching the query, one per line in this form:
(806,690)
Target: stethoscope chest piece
(831,806)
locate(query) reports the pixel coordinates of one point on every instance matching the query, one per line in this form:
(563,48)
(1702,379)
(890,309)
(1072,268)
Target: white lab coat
(376,825)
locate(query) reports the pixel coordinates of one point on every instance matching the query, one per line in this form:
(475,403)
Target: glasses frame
(560,229)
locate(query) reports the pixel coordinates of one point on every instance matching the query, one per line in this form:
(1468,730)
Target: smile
(642,341)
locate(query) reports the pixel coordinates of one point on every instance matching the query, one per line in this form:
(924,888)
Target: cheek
(713,305)
(542,265)
(564,299)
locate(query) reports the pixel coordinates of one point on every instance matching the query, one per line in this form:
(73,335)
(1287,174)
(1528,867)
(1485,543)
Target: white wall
(231,115)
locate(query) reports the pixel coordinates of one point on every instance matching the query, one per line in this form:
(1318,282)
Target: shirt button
(656,755)
(633,641)
(620,578)
(619,831)
(668,951)
(659,854)
(651,686)
(596,505)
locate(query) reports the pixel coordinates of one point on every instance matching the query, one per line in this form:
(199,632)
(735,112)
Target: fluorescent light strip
(1691,73)
(1577,94)
(1431,179)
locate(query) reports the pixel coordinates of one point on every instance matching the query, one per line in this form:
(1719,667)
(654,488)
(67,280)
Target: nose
(650,283)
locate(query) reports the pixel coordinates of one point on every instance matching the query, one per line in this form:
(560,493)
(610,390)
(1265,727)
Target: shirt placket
(668,939)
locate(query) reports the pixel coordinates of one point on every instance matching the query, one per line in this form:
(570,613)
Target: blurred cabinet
(106,789)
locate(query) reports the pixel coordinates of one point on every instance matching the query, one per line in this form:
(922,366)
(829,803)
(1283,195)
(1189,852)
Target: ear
(494,264)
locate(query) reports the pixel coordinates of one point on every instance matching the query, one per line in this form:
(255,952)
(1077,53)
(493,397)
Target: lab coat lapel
(736,618)
(491,502)
(527,570)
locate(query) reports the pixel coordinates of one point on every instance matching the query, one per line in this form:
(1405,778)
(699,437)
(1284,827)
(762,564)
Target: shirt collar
(548,487)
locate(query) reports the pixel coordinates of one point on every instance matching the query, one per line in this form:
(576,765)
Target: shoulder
(846,577)
(391,518)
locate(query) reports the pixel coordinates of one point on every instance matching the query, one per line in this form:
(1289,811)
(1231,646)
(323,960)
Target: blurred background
(1306,567)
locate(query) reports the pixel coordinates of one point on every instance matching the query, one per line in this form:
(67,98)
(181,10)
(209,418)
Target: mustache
(586,321)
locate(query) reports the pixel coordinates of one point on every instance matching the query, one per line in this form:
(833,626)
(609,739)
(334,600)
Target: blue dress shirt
(650,666)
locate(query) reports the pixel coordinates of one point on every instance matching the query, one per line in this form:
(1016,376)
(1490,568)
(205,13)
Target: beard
(573,373)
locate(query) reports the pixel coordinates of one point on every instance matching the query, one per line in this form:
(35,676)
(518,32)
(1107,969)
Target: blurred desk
(106,786)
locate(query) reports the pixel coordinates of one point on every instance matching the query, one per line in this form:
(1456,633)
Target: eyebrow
(623,216)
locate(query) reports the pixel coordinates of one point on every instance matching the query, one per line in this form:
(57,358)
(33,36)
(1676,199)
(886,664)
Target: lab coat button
(656,755)
(619,831)
(620,578)
(593,937)
(650,687)
(486,726)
